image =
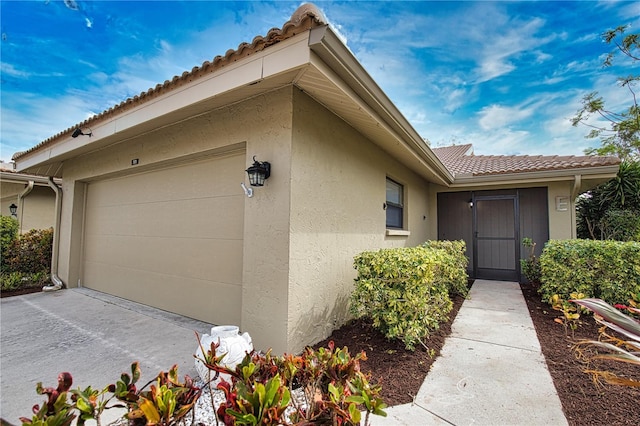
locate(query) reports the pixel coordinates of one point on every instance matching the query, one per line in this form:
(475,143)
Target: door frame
(507,275)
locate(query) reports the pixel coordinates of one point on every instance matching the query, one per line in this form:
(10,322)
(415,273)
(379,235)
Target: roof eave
(586,173)
(330,49)
(22,178)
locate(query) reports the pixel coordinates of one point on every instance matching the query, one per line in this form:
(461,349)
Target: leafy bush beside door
(406,291)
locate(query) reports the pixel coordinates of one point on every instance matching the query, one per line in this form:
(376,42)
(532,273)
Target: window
(394,204)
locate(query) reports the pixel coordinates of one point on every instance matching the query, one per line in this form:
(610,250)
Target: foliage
(8,232)
(57,411)
(31,252)
(570,318)
(333,388)
(400,291)
(19,280)
(610,347)
(621,225)
(609,270)
(620,133)
(165,403)
(531,265)
(611,210)
(452,269)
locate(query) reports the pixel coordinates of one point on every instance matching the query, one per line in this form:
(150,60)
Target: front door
(496,250)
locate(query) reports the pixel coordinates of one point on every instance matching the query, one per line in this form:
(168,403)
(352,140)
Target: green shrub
(452,267)
(8,233)
(31,252)
(399,290)
(20,280)
(609,270)
(531,265)
(621,225)
(10,281)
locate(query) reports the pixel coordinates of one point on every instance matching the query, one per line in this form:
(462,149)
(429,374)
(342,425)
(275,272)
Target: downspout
(57,282)
(575,191)
(24,193)
(577,184)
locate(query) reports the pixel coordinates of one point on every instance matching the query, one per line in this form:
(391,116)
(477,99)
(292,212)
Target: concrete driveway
(93,336)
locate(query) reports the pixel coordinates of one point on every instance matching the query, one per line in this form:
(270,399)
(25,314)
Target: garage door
(170,238)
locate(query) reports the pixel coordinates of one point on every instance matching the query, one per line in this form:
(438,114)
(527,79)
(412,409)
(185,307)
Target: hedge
(405,291)
(609,270)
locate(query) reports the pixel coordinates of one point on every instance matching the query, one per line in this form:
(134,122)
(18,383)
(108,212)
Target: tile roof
(456,159)
(305,17)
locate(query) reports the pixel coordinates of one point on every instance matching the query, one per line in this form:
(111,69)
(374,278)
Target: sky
(506,77)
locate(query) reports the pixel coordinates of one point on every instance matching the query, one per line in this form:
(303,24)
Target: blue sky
(505,76)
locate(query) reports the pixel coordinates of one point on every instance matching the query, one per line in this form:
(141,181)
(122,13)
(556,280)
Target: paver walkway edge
(491,370)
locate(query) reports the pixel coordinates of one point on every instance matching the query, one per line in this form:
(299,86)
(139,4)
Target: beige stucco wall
(36,209)
(562,224)
(261,126)
(338,187)
(322,205)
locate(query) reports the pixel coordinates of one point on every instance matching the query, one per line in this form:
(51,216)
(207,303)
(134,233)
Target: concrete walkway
(491,370)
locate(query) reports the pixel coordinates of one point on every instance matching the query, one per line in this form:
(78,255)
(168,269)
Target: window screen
(395,198)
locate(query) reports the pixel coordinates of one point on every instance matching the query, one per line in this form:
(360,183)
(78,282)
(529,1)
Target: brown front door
(495,237)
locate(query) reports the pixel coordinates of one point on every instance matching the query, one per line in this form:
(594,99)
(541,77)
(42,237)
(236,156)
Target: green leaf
(354,413)
(355,398)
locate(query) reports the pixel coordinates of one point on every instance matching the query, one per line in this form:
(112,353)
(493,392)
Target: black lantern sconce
(14,210)
(470,203)
(258,172)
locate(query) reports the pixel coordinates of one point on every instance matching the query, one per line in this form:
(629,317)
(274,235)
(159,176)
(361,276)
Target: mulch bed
(9,293)
(584,401)
(399,371)
(402,372)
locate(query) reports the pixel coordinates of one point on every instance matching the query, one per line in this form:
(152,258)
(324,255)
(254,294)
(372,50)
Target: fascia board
(604,172)
(324,42)
(284,56)
(20,178)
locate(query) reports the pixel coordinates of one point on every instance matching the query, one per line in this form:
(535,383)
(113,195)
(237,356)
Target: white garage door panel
(170,238)
(184,218)
(207,259)
(190,297)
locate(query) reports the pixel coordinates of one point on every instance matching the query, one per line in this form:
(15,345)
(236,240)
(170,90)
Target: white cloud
(51,116)
(9,69)
(496,116)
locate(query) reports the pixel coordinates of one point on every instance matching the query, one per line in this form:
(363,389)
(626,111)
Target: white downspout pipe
(575,191)
(24,193)
(57,282)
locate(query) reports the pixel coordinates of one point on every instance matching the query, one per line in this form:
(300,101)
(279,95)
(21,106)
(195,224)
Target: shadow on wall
(319,325)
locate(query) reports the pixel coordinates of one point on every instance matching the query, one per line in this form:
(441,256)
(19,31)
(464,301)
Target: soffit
(325,88)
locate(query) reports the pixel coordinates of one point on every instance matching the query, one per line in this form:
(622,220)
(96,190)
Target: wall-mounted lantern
(258,172)
(470,203)
(14,210)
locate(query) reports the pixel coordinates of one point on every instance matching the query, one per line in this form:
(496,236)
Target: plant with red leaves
(57,411)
